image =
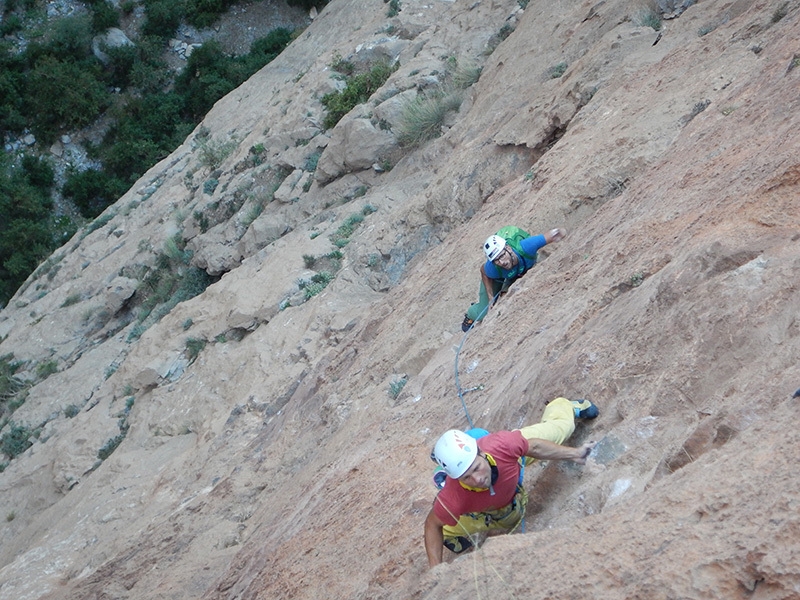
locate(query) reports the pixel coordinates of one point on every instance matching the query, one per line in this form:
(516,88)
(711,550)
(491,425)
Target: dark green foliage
(10,25)
(210,73)
(150,72)
(123,61)
(194,346)
(10,385)
(111,445)
(146,130)
(394,8)
(38,172)
(12,83)
(207,77)
(171,281)
(70,41)
(204,13)
(57,85)
(210,185)
(25,236)
(358,90)
(319,281)
(162,17)
(194,282)
(265,49)
(16,440)
(93,191)
(307,4)
(345,67)
(61,95)
(341,237)
(46,368)
(104,15)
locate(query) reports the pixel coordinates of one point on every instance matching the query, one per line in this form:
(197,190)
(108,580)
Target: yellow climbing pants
(557,424)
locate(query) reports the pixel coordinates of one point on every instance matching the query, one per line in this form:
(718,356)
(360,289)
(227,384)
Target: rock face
(233,394)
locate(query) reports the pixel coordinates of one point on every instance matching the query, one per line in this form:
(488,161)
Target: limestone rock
(112,38)
(356,144)
(118,292)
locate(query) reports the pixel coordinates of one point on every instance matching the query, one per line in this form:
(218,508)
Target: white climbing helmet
(454,452)
(493,246)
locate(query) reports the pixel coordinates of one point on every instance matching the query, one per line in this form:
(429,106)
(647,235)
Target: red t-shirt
(506,447)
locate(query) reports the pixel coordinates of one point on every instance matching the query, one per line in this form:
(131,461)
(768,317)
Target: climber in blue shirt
(509,253)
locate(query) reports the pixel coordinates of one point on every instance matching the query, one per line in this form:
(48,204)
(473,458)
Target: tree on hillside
(25,234)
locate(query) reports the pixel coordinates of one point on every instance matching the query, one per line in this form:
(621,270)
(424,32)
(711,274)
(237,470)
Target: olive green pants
(478,309)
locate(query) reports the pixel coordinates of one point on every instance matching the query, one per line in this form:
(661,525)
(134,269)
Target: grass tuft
(423,117)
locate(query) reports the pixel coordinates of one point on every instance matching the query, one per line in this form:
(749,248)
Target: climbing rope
(521,523)
(460,391)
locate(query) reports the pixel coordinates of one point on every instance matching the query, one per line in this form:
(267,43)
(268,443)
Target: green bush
(12,85)
(204,13)
(169,283)
(46,368)
(319,281)
(147,129)
(38,172)
(394,8)
(465,73)
(11,387)
(62,95)
(210,73)
(357,91)
(25,233)
(208,76)
(93,191)
(123,60)
(162,17)
(265,49)
(111,445)
(396,386)
(311,161)
(9,383)
(70,40)
(16,440)
(194,346)
(648,17)
(307,4)
(10,25)
(557,71)
(104,15)
(150,73)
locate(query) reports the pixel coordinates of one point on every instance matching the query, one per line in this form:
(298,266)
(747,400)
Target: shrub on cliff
(357,91)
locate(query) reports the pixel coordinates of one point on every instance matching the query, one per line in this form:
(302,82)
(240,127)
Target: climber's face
(507,259)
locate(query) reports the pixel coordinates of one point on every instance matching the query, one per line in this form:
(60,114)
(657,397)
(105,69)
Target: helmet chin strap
(493,466)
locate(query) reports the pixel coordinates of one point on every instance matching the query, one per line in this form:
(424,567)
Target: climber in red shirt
(482,491)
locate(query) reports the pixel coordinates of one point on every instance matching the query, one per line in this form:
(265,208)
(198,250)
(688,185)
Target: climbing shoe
(584,409)
(466,324)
